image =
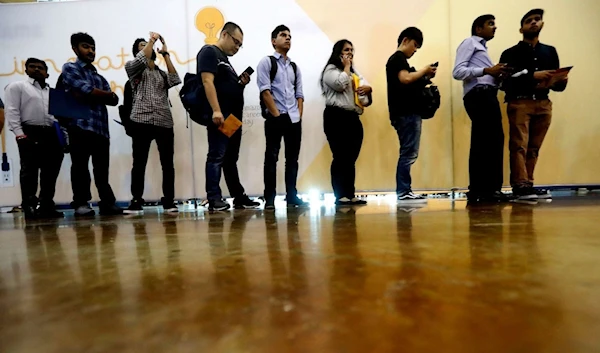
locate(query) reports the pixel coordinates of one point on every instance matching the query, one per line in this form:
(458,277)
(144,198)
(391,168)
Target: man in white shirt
(26,111)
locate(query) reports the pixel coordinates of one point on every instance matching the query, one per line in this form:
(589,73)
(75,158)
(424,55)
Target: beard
(531,35)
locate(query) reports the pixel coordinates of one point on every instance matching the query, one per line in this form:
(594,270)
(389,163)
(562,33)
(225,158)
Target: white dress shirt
(26,103)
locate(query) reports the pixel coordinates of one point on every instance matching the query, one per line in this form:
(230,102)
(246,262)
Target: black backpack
(263,107)
(194,99)
(126,107)
(430,98)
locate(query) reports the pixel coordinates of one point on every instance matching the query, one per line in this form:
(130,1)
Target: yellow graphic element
(209,21)
(103,63)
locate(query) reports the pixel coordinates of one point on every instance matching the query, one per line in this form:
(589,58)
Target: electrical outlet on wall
(7,180)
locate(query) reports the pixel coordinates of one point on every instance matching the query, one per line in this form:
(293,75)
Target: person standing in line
(89,138)
(151,119)
(37,137)
(225,93)
(283,103)
(529,108)
(1,115)
(404,87)
(346,95)
(480,76)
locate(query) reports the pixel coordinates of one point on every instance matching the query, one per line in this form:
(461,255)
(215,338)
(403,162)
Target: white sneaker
(411,197)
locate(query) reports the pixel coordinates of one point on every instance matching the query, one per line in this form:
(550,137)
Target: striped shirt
(83,78)
(150,92)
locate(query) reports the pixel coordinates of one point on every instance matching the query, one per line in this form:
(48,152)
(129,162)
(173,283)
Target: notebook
(65,105)
(230,126)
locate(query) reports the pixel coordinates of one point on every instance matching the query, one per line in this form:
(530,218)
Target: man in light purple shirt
(281,98)
(479,75)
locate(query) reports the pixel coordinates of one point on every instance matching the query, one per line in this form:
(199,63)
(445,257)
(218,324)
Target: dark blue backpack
(194,99)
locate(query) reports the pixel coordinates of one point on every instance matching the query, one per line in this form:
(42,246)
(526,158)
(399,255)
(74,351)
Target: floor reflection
(493,278)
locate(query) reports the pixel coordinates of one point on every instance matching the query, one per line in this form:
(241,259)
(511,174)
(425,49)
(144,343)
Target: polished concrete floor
(377,278)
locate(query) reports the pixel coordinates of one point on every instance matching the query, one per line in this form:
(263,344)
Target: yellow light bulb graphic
(209,21)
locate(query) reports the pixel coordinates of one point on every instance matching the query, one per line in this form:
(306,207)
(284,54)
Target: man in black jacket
(529,110)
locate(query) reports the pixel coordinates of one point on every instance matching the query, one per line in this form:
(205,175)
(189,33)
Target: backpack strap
(295,75)
(273,68)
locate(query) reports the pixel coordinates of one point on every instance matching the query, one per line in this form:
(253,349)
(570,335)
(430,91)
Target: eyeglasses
(236,41)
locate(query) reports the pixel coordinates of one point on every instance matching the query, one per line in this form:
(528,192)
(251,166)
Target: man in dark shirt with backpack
(404,87)
(224,90)
(280,85)
(151,119)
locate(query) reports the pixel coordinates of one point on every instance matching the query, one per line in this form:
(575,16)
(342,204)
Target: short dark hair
(135,49)
(480,22)
(230,27)
(78,38)
(279,29)
(411,33)
(36,61)
(532,12)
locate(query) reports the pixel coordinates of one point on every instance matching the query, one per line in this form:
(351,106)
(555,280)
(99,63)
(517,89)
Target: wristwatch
(164,53)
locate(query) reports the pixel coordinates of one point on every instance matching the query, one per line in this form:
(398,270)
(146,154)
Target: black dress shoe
(50,213)
(30,212)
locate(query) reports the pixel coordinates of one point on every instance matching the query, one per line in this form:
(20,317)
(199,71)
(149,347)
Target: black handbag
(430,98)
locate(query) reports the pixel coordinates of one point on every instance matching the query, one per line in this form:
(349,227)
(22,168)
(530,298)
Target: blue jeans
(409,133)
(223,153)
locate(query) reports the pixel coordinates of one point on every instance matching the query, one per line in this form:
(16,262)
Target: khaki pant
(529,122)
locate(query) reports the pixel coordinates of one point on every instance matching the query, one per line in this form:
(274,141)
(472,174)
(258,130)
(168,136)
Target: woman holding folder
(346,94)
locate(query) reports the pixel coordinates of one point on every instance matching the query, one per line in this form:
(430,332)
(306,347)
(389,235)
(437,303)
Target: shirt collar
(278,56)
(85,65)
(480,40)
(32,82)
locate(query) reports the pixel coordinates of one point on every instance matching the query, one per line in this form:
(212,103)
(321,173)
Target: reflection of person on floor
(288,286)
(229,299)
(529,109)
(348,275)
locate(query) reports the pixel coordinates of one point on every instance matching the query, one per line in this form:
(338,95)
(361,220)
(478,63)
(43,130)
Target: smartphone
(249,70)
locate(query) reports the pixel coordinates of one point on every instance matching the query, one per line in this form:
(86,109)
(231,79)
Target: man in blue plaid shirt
(89,138)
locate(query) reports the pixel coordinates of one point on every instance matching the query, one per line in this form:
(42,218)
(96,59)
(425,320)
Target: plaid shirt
(151,92)
(83,78)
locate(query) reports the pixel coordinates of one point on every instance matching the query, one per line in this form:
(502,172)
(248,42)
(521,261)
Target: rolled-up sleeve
(74,78)
(299,88)
(336,79)
(173,79)
(462,71)
(263,71)
(136,66)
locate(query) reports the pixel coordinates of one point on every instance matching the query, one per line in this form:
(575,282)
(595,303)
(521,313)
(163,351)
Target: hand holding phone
(244,78)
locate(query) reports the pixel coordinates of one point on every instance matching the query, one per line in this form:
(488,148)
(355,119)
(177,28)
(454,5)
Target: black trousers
(41,156)
(276,129)
(85,145)
(344,133)
(487,141)
(142,138)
